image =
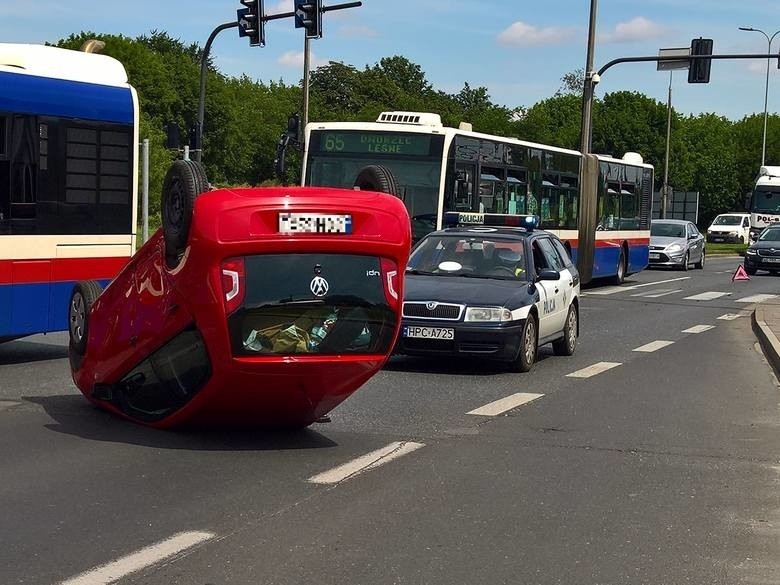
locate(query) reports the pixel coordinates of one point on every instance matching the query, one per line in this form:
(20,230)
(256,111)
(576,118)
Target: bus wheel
(83,296)
(184,181)
(377,178)
(620,273)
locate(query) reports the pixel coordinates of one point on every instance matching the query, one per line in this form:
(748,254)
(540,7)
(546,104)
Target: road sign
(740,274)
(671,65)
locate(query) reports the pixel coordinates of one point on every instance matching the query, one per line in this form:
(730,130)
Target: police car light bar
(456,218)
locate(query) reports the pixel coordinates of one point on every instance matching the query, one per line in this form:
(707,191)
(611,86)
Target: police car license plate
(429,332)
(654,256)
(314,223)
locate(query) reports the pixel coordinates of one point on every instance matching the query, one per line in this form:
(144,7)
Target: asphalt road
(662,468)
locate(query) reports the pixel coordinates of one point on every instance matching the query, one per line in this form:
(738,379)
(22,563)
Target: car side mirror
(692,236)
(548,274)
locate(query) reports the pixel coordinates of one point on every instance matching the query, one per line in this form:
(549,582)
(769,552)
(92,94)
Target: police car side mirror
(548,274)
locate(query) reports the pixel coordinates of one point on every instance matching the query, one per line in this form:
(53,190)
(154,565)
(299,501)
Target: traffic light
(251,23)
(308,15)
(699,69)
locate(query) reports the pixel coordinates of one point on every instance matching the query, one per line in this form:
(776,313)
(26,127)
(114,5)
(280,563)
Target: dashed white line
(654,346)
(707,296)
(505,404)
(366,462)
(699,328)
(657,294)
(756,299)
(593,370)
(729,317)
(611,290)
(112,572)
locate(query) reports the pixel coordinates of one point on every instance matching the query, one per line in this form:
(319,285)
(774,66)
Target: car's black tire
(700,263)
(686,262)
(620,274)
(377,178)
(568,343)
(529,346)
(750,271)
(82,297)
(184,181)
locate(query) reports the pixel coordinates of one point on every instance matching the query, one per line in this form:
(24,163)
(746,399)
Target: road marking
(756,299)
(699,328)
(136,561)
(658,293)
(508,403)
(593,370)
(706,296)
(729,317)
(654,346)
(611,290)
(366,462)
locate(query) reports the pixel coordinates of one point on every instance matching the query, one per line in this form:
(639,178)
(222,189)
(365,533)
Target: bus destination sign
(376,143)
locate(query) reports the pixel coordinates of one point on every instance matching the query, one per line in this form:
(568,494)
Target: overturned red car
(257,306)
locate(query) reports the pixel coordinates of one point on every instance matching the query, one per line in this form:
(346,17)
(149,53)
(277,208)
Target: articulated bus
(68,180)
(598,205)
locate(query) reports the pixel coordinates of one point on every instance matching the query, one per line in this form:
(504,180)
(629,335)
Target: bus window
(463,194)
(609,208)
(492,191)
(629,209)
(517,186)
(550,208)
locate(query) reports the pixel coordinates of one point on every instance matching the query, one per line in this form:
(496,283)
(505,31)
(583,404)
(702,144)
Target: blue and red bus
(599,206)
(68,180)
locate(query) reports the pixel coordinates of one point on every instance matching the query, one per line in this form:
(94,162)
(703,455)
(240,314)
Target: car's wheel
(568,343)
(620,274)
(83,296)
(526,357)
(184,181)
(741,239)
(686,262)
(750,271)
(377,178)
(700,263)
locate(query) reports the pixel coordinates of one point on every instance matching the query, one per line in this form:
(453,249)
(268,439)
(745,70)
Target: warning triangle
(740,274)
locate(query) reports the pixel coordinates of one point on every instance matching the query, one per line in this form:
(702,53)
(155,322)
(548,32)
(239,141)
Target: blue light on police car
(531,221)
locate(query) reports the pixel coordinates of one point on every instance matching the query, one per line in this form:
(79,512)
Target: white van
(730,227)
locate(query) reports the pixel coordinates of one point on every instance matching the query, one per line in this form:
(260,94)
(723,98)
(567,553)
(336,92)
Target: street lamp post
(766,91)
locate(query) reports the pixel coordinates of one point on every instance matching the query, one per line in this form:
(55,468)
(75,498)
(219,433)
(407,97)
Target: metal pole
(587,90)
(306,79)
(665,198)
(186,152)
(145,188)
(204,60)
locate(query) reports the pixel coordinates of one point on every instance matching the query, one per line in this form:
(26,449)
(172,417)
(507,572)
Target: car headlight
(674,248)
(750,252)
(488,315)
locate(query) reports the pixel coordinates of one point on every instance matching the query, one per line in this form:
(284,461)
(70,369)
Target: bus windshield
(337,157)
(766,200)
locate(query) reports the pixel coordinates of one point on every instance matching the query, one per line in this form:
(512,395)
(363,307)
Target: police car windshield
(470,256)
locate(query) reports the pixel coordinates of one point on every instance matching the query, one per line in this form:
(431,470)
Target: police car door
(549,292)
(557,301)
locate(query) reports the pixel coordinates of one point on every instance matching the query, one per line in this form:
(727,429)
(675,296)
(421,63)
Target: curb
(768,340)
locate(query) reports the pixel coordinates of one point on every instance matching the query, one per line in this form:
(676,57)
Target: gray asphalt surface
(663,469)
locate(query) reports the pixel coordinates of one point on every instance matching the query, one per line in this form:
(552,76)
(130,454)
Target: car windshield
(728,220)
(469,255)
(770,235)
(668,230)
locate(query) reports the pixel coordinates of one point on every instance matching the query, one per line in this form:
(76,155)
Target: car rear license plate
(429,332)
(314,223)
(655,256)
(717,239)
(772,260)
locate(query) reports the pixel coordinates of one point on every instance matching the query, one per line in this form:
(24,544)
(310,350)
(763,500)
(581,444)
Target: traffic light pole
(204,61)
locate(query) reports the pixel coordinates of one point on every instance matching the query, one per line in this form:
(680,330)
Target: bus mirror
(294,127)
(281,151)
(173,136)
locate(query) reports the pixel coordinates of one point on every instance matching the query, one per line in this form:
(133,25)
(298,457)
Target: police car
(490,291)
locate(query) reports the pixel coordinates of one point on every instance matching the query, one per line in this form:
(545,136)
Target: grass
(726,248)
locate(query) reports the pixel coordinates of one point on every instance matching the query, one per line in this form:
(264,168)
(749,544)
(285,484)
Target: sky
(517,49)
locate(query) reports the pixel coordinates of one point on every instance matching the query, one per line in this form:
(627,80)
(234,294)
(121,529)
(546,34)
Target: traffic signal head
(251,23)
(308,15)
(699,69)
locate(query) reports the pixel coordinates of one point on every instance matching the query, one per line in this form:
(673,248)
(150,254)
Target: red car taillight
(391,282)
(233,283)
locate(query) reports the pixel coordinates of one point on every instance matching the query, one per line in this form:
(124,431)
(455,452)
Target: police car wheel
(526,356)
(568,343)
